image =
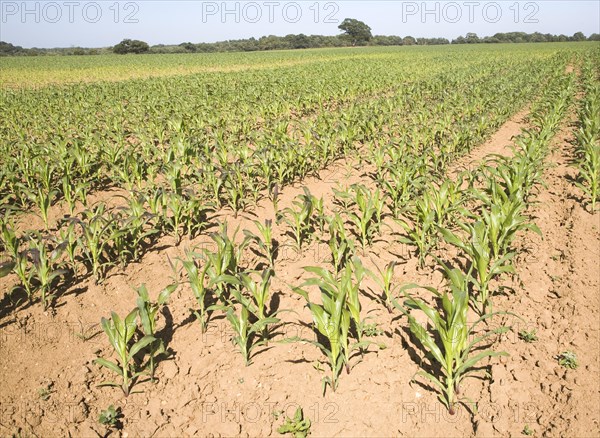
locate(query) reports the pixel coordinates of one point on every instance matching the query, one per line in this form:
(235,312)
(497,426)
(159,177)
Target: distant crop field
(46,70)
(369,241)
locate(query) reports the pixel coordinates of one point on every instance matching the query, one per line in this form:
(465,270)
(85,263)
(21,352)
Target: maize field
(332,242)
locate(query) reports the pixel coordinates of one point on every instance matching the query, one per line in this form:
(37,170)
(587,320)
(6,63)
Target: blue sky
(105,23)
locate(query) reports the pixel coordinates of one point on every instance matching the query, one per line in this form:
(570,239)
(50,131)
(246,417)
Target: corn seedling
(300,219)
(503,222)
(454,352)
(478,248)
(97,230)
(196,277)
(255,299)
(446,199)
(528,430)
(45,267)
(568,359)
(69,193)
(421,233)
(400,185)
(147,311)
(120,333)
(341,246)
(245,331)
(589,174)
(19,263)
(45,392)
(588,137)
(332,320)
(111,417)
(86,333)
(528,336)
(138,226)
(298,427)
(43,200)
(236,187)
(368,218)
(69,242)
(264,240)
(384,280)
(225,260)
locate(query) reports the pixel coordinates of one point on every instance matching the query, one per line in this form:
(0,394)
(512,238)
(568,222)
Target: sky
(72,23)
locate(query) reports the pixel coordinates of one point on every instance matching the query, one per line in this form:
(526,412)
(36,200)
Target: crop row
(588,135)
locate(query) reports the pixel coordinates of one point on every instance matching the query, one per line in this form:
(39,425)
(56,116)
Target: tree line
(295,41)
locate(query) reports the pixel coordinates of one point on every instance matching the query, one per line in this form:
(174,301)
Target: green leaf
(140,345)
(108,364)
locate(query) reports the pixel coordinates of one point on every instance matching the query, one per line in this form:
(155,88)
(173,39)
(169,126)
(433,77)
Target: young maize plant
(343,198)
(174,217)
(69,243)
(369,216)
(45,267)
(519,174)
(341,246)
(454,348)
(97,231)
(43,200)
(147,311)
(298,426)
(138,225)
(212,183)
(225,260)
(69,193)
(253,320)
(479,249)
(259,292)
(384,280)
(245,331)
(120,333)
(422,232)
(503,222)
(196,277)
(332,319)
(264,241)
(19,263)
(447,200)
(236,186)
(300,219)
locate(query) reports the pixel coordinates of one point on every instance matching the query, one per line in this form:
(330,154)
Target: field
(344,242)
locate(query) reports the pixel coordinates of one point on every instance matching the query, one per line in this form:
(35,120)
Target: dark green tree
(131,46)
(355,31)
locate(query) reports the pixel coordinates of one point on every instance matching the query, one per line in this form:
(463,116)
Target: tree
(131,46)
(409,41)
(471,38)
(355,31)
(189,47)
(579,36)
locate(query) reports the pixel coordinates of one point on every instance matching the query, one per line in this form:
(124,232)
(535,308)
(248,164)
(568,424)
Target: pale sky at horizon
(69,23)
